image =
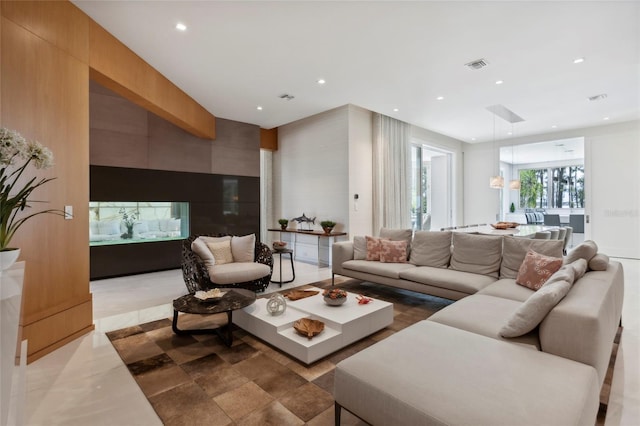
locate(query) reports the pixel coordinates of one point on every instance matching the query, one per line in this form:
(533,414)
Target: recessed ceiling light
(321,81)
(578,60)
(509,133)
(439,98)
(181,27)
(499,82)
(554,126)
(259,108)
(396,110)
(605,118)
(473,139)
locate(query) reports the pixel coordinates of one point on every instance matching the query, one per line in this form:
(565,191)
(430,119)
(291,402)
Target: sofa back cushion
(398,235)
(516,248)
(431,248)
(359,248)
(585,251)
(478,254)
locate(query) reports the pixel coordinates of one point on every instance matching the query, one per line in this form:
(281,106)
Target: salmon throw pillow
(373,247)
(393,251)
(536,269)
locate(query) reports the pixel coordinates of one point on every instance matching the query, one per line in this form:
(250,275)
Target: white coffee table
(344,324)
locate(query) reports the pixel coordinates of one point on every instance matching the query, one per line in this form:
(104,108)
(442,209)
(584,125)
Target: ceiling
(236,56)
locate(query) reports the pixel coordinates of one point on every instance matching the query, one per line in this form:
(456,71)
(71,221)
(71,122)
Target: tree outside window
(557,187)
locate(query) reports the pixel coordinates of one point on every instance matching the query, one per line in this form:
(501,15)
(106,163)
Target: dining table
(524,231)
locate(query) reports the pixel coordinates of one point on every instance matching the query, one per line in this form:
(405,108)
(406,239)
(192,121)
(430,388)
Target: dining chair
(568,238)
(577,223)
(552,219)
(554,234)
(542,235)
(562,232)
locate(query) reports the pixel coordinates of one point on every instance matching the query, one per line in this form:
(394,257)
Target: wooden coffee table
(344,324)
(232,300)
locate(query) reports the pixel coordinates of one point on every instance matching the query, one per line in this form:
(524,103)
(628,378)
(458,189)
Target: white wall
(310,169)
(481,203)
(360,172)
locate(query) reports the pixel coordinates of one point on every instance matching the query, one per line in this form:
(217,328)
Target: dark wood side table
(293,269)
(232,300)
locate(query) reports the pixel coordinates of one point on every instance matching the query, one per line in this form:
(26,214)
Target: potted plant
(327,225)
(512,208)
(283,223)
(16,154)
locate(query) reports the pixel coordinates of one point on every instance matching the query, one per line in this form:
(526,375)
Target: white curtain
(391,171)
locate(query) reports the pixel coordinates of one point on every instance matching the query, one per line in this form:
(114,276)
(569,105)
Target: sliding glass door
(430,188)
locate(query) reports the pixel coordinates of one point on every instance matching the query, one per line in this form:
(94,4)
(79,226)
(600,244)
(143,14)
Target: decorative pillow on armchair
(393,251)
(243,248)
(221,252)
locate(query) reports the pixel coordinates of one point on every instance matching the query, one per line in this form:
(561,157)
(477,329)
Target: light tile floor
(85,382)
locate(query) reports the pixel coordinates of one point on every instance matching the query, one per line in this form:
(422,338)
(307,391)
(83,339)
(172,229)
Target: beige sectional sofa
(456,367)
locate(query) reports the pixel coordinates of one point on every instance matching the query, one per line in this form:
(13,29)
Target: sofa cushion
(507,289)
(243,248)
(431,248)
(359,248)
(585,251)
(221,252)
(516,248)
(390,270)
(398,235)
(110,227)
(599,262)
(373,248)
(485,315)
(393,251)
(536,269)
(479,254)
(445,376)
(464,282)
(534,309)
(237,272)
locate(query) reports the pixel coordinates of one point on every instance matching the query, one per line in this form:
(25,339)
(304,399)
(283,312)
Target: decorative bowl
(334,296)
(279,245)
(210,296)
(308,327)
(505,225)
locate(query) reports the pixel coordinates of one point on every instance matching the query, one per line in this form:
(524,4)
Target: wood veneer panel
(47,89)
(53,332)
(269,139)
(116,67)
(58,22)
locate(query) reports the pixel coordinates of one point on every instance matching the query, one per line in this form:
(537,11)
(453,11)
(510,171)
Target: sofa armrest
(340,252)
(583,325)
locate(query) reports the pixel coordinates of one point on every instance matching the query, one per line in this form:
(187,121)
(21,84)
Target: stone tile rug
(197,380)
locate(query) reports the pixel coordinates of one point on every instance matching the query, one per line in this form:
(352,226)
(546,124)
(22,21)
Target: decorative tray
(505,225)
(300,294)
(308,327)
(210,296)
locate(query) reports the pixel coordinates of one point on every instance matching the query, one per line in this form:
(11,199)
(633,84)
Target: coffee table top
(232,300)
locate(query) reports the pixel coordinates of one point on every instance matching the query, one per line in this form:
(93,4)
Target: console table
(311,246)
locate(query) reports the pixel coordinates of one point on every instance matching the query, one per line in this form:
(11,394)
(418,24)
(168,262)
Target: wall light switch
(68,212)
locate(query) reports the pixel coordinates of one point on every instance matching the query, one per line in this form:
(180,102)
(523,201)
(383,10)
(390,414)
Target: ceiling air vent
(598,97)
(286,97)
(477,64)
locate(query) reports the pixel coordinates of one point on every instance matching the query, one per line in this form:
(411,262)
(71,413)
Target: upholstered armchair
(204,274)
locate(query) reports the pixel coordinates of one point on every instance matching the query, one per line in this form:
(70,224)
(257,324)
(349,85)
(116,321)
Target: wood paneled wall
(45,96)
(269,139)
(45,62)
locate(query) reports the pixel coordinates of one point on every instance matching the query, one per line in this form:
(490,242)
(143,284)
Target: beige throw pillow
(599,262)
(431,248)
(585,251)
(535,308)
(516,248)
(243,248)
(359,248)
(221,252)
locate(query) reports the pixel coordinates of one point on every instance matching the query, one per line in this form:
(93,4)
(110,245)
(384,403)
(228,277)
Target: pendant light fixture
(497,181)
(514,184)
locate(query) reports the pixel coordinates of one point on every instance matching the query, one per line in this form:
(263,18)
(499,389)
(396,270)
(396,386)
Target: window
(123,222)
(554,187)
(430,187)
